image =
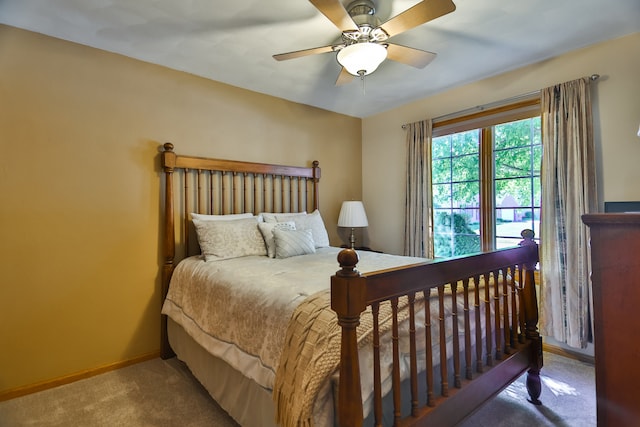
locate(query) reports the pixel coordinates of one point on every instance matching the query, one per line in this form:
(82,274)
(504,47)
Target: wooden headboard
(216,187)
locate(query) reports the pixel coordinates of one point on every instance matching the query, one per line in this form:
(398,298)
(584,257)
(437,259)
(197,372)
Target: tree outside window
(507,202)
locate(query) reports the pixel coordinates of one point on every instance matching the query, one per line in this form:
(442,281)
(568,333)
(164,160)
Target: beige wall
(616,120)
(80,185)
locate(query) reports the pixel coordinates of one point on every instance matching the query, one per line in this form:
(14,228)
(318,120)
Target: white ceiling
(233,41)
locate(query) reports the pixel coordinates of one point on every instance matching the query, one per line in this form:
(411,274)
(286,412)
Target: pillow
(266,228)
(313,222)
(293,242)
(230,238)
(228,217)
(271,217)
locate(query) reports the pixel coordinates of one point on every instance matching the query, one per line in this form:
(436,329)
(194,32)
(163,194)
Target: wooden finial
(528,235)
(168,146)
(348,258)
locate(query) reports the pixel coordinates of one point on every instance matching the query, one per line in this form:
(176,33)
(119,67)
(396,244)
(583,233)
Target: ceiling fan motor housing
(363,14)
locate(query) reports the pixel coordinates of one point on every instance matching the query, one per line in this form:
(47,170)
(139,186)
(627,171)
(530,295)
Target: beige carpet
(154,393)
(568,399)
(163,393)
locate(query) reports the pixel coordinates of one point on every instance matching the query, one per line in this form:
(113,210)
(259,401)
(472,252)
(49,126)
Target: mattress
(239,309)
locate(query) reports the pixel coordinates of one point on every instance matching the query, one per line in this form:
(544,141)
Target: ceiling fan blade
(410,56)
(336,13)
(422,12)
(304,52)
(344,77)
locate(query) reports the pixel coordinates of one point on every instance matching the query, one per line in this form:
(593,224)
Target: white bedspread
(239,309)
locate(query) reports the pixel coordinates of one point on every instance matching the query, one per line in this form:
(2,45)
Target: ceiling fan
(365,43)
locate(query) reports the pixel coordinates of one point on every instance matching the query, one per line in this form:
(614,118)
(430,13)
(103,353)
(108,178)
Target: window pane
(442,233)
(453,233)
(456,190)
(472,216)
(442,244)
(513,221)
(465,142)
(513,193)
(515,162)
(442,196)
(517,179)
(466,194)
(507,242)
(441,170)
(466,168)
(515,134)
(442,220)
(441,147)
(466,239)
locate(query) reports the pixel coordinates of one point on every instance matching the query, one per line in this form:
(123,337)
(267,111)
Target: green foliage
(518,156)
(453,236)
(517,153)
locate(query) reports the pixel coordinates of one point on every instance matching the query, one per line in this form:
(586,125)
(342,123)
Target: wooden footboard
(498,342)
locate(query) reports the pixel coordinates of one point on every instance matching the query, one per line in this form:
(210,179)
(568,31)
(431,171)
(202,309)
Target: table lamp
(352,215)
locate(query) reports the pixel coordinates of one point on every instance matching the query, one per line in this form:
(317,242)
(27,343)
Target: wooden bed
(495,291)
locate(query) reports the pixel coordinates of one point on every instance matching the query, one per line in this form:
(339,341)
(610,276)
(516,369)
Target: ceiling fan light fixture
(361,59)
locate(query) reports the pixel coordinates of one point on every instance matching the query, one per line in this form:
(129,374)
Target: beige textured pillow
(229,239)
(293,242)
(266,228)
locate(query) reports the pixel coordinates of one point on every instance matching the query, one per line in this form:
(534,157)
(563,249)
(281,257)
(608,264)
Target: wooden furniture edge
(611,219)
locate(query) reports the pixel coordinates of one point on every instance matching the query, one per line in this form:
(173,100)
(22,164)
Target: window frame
(484,120)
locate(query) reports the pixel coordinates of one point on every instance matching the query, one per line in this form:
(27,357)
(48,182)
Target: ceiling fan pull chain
(364,89)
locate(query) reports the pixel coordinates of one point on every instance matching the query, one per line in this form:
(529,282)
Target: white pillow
(266,228)
(229,239)
(313,222)
(227,217)
(271,217)
(293,242)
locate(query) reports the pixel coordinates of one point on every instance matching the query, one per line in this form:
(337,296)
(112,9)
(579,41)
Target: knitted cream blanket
(312,355)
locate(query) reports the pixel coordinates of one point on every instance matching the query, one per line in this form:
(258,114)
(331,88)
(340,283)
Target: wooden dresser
(615,259)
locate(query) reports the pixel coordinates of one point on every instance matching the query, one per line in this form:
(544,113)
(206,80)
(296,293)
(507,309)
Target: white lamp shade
(362,58)
(352,214)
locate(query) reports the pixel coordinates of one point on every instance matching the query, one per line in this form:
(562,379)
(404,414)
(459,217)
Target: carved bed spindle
(530,308)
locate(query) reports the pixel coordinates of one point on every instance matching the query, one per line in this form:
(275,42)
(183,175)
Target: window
(486,179)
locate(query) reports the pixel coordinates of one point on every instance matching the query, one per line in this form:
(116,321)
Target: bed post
(168,163)
(530,307)
(348,293)
(316,182)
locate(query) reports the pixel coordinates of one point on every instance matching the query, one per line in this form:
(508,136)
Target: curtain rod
(592,77)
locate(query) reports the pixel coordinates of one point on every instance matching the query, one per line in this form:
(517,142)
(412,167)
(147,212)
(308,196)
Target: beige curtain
(418,228)
(568,191)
